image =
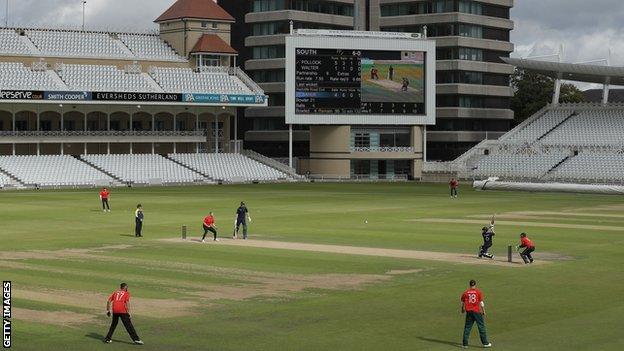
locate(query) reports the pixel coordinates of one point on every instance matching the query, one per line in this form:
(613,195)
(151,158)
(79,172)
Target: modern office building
(473,93)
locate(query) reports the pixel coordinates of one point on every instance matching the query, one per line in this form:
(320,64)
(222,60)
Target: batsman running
(488,235)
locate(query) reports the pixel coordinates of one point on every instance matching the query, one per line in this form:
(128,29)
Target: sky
(587,29)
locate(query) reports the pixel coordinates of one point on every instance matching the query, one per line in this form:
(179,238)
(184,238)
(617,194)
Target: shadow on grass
(100,337)
(131,235)
(445,342)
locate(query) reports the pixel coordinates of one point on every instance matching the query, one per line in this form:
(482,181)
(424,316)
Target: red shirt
(208,221)
(472,300)
(104,194)
(454,183)
(119,299)
(526,242)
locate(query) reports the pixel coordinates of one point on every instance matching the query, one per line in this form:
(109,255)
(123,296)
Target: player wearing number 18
(472,304)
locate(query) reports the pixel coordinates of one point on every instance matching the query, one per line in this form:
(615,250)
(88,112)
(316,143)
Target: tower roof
(211,43)
(200,9)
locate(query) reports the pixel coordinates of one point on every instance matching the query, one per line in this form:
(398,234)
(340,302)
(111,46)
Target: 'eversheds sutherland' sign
(147,97)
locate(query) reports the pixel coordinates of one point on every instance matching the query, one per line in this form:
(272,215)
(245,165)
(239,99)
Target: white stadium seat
(52,170)
(11,43)
(76,44)
(15,76)
(229,167)
(149,46)
(140,169)
(102,78)
(185,80)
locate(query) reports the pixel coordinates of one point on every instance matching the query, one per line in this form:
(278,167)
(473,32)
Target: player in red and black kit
(453,184)
(104,195)
(472,304)
(528,247)
(209,226)
(120,300)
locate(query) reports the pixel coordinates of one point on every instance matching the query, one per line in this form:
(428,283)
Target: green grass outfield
(191,296)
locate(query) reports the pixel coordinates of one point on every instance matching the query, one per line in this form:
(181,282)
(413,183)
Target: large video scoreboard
(338,81)
(359,80)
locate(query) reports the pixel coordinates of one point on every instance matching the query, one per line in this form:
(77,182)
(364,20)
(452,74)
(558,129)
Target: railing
(358,177)
(383,149)
(272,163)
(245,79)
(67,133)
(213,69)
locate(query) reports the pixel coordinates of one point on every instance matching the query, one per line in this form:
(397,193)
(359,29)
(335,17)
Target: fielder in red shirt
(120,300)
(104,195)
(528,246)
(472,304)
(209,226)
(453,184)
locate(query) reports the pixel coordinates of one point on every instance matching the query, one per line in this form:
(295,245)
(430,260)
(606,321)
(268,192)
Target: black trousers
(453,191)
(527,253)
(209,229)
(125,319)
(138,227)
(485,248)
(105,205)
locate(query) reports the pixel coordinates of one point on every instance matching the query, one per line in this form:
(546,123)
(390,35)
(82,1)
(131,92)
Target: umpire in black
(138,221)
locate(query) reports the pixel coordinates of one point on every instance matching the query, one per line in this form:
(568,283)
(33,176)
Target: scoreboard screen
(360,82)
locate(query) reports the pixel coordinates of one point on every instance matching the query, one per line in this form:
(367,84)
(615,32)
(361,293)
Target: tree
(532,91)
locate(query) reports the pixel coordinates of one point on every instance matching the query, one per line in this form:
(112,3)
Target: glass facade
(443,6)
(332,8)
(267,52)
(381,169)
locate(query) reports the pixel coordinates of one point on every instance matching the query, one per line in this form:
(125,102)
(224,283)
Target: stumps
(509,254)
(184,232)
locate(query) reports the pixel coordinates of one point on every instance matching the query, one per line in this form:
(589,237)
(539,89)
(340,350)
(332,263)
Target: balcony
(403,149)
(103,136)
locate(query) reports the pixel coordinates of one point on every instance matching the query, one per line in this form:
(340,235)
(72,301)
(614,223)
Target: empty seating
(185,80)
(591,166)
(519,165)
(537,128)
(149,46)
(77,44)
(144,169)
(11,43)
(596,127)
(54,170)
(103,78)
(4,180)
(15,76)
(229,167)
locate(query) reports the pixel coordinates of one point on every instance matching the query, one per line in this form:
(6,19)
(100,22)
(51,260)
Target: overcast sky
(586,28)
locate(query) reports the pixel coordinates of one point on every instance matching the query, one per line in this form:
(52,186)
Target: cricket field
(340,266)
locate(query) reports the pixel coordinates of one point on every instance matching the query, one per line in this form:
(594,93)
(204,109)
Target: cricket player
(104,195)
(120,300)
(209,226)
(472,304)
(453,185)
(488,234)
(528,246)
(138,221)
(242,214)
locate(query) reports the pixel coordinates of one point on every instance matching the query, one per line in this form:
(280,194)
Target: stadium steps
(152,82)
(58,80)
(19,182)
(557,125)
(267,161)
(117,179)
(123,46)
(553,168)
(34,50)
(190,168)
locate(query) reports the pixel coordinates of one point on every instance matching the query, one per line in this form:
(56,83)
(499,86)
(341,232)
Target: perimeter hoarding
(359,80)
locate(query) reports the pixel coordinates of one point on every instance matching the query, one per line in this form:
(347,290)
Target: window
(439,6)
(267,52)
(469,30)
(208,60)
(360,167)
(470,54)
(214,25)
(472,7)
(362,140)
(268,76)
(268,5)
